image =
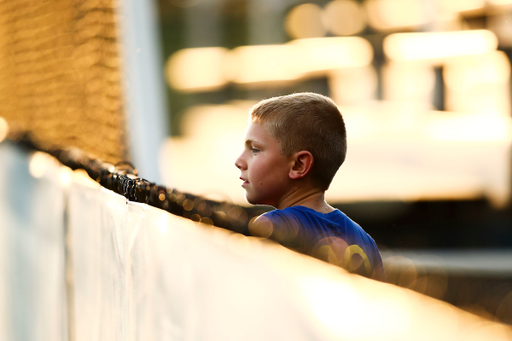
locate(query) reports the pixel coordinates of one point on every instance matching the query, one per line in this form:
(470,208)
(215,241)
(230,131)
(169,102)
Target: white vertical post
(146,107)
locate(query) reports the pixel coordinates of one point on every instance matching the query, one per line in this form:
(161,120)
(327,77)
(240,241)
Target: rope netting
(60,74)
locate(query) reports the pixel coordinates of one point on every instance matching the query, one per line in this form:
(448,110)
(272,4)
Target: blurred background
(425,89)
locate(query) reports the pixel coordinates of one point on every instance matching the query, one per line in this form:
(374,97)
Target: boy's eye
(254,150)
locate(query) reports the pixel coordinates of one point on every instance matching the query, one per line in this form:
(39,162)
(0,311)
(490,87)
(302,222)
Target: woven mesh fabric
(60,76)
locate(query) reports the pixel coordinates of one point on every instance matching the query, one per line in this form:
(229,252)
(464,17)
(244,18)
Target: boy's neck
(313,199)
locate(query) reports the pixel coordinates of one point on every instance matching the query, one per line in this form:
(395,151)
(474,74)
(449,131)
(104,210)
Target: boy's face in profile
(264,169)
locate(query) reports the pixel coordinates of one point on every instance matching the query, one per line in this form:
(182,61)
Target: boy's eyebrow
(250,143)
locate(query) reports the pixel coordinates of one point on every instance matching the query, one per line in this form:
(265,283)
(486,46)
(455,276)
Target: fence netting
(60,74)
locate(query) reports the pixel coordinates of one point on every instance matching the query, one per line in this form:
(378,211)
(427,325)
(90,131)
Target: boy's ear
(303,161)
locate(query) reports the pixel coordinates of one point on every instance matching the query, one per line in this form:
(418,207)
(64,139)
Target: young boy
(294,146)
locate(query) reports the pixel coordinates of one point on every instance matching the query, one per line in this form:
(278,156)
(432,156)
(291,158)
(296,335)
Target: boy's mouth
(245,182)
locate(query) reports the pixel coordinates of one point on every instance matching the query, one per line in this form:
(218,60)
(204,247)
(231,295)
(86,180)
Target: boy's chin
(255,201)
(251,200)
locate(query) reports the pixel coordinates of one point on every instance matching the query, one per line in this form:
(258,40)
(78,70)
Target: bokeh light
(40,163)
(66,176)
(264,228)
(476,127)
(332,53)
(410,81)
(500,2)
(344,17)
(198,69)
(460,5)
(262,64)
(353,86)
(478,83)
(386,15)
(485,69)
(305,21)
(438,45)
(210,69)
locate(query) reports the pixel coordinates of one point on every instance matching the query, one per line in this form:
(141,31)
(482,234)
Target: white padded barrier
(140,273)
(32,281)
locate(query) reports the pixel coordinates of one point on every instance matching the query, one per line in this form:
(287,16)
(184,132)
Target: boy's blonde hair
(306,121)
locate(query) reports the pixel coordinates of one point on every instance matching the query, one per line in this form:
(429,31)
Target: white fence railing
(79,262)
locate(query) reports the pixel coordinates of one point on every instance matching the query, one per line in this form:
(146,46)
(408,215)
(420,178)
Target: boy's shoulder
(303,211)
(307,220)
(307,231)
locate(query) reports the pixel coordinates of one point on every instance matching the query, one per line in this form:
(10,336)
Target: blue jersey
(332,237)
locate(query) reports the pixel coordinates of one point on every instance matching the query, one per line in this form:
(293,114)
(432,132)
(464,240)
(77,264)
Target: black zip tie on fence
(122,178)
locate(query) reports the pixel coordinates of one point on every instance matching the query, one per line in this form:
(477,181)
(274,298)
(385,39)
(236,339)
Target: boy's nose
(239,163)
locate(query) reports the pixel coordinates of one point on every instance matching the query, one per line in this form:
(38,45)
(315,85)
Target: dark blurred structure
(462,224)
